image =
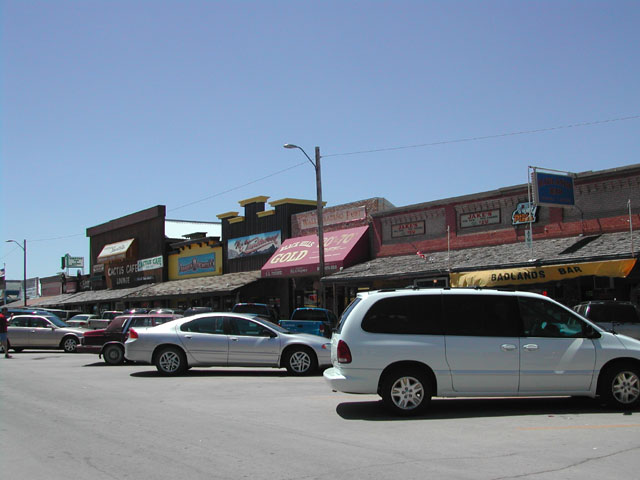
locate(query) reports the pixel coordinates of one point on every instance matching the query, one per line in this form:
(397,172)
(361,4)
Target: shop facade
(571,253)
(347,241)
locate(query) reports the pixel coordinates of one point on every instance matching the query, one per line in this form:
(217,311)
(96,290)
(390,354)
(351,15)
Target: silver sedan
(226,339)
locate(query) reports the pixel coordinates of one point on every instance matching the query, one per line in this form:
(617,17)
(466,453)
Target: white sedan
(226,339)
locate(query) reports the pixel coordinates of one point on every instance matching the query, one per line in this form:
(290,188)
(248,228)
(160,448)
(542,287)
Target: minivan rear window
(410,315)
(346,313)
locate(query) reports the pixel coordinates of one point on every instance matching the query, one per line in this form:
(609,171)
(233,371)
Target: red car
(109,342)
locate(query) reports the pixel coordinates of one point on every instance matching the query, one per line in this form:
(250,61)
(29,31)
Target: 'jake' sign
(478,219)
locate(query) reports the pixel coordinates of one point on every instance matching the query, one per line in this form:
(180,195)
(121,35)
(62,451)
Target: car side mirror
(269,333)
(592,333)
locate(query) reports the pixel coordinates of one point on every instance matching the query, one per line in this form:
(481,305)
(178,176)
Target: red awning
(298,257)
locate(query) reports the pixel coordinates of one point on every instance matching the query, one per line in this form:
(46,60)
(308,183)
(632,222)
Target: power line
(238,187)
(486,137)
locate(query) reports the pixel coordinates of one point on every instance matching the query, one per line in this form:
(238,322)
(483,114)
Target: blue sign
(197,264)
(553,189)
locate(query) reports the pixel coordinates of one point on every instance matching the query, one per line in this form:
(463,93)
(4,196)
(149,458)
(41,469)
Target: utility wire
(486,137)
(388,149)
(238,187)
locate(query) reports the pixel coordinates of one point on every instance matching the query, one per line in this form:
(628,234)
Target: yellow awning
(552,273)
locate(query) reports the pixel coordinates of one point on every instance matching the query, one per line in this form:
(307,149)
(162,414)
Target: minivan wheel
(171,361)
(113,355)
(621,386)
(406,392)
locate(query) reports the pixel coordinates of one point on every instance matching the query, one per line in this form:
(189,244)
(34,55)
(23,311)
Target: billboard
(259,244)
(553,189)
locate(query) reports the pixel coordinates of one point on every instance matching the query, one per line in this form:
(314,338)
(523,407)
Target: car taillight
(132,334)
(344,354)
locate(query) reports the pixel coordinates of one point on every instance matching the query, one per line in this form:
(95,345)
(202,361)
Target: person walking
(3,332)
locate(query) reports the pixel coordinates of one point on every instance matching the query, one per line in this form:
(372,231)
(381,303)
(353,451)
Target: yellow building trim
(261,199)
(222,216)
(236,220)
(266,213)
(295,201)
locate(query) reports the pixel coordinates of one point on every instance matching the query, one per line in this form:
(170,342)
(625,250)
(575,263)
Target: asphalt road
(71,416)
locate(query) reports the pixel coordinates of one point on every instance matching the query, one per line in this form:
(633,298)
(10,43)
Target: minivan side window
(542,318)
(411,314)
(482,315)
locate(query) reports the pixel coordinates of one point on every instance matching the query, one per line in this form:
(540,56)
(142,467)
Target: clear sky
(111,107)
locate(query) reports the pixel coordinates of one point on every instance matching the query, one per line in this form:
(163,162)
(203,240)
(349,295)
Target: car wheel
(300,361)
(113,355)
(406,392)
(171,361)
(621,386)
(69,344)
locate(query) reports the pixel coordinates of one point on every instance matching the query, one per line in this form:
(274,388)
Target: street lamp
(316,165)
(24,284)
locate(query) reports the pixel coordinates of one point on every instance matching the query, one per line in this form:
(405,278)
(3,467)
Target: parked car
(196,310)
(108,342)
(316,321)
(81,320)
(174,311)
(410,345)
(105,319)
(261,309)
(40,331)
(614,316)
(226,339)
(129,311)
(63,315)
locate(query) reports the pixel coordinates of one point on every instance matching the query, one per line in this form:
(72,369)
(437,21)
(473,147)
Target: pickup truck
(109,342)
(261,309)
(316,321)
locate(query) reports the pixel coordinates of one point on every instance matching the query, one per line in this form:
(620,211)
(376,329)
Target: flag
(2,273)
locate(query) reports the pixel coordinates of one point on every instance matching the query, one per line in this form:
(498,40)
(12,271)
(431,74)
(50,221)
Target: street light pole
(24,283)
(316,165)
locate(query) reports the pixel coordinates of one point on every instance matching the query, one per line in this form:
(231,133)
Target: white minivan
(411,344)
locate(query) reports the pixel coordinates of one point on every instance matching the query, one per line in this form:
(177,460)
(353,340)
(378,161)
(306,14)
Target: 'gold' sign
(552,273)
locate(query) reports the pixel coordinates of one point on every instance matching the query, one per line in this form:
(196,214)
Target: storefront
(298,259)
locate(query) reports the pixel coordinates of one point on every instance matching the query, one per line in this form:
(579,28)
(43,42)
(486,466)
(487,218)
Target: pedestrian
(3,332)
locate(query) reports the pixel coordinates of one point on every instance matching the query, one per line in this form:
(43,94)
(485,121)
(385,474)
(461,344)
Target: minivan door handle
(508,347)
(530,347)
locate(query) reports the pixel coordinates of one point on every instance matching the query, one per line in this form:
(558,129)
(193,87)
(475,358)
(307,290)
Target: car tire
(300,361)
(113,355)
(406,392)
(620,387)
(69,344)
(171,361)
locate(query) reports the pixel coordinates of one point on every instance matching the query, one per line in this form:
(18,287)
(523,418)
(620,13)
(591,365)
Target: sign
(125,274)
(197,264)
(260,244)
(331,217)
(553,189)
(524,213)
(407,229)
(74,262)
(150,263)
(552,273)
(300,256)
(98,268)
(478,219)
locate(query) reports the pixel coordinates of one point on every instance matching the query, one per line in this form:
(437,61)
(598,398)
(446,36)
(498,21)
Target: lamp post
(316,165)
(24,284)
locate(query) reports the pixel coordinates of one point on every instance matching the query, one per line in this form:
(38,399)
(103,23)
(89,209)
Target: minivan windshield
(346,313)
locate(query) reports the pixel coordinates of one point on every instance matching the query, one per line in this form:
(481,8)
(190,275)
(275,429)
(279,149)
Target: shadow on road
(449,408)
(216,373)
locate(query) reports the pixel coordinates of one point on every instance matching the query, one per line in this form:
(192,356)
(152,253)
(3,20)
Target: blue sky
(110,107)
